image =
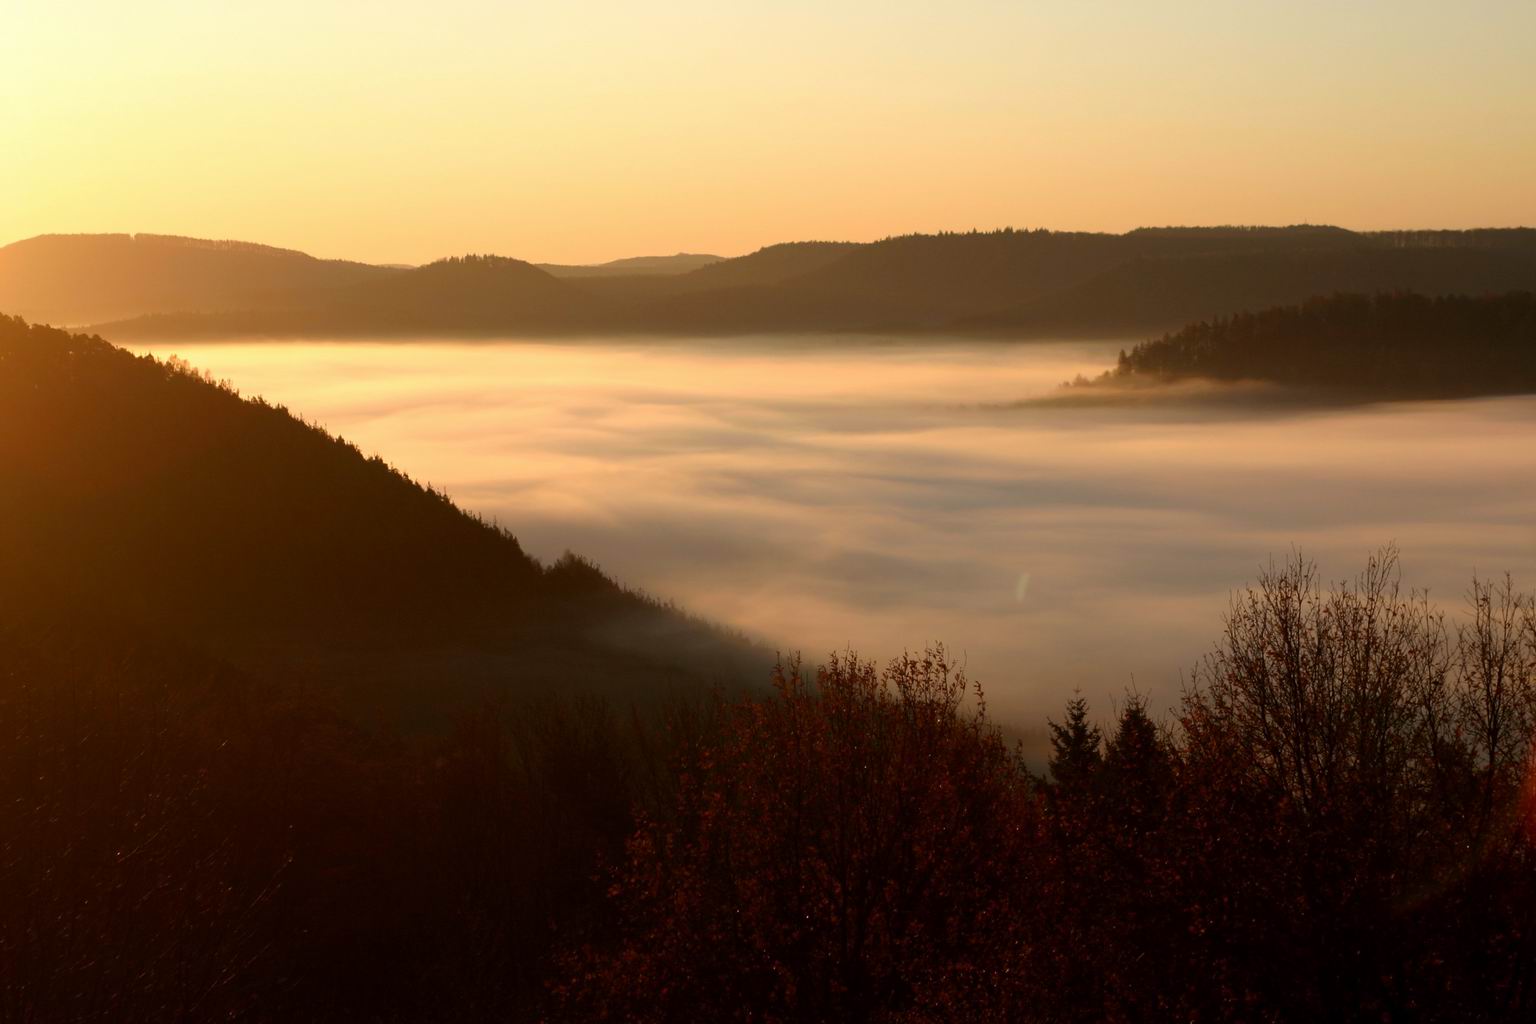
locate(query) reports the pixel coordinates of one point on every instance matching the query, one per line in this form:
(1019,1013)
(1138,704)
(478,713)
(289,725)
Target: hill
(1160,292)
(1014,284)
(458,295)
(140,493)
(680,263)
(731,295)
(1397,345)
(80,279)
(771,265)
(1040,283)
(466,293)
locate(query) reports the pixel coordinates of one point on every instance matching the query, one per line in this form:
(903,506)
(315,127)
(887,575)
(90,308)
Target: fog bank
(825,495)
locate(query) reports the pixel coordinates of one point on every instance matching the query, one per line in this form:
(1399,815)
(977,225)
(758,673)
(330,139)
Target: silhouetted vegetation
(1383,345)
(1337,824)
(1331,828)
(181,843)
(841,850)
(138,490)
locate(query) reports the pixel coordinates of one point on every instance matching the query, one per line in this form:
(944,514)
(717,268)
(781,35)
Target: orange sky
(401,132)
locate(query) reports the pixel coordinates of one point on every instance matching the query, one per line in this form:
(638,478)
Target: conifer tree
(1137,764)
(1075,746)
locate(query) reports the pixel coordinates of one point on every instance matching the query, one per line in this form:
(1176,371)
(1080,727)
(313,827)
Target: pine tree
(1136,746)
(1137,766)
(1075,746)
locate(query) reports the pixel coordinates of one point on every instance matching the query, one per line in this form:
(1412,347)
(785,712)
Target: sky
(580,132)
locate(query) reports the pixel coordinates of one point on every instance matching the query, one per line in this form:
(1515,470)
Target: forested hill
(1007,283)
(1160,292)
(81,279)
(633,266)
(139,491)
(458,295)
(1398,345)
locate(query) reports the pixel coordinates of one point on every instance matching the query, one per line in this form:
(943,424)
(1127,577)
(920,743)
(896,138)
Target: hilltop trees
(1076,746)
(1337,824)
(1331,852)
(137,489)
(1395,344)
(841,850)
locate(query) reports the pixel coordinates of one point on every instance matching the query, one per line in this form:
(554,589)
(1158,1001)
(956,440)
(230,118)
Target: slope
(138,491)
(458,295)
(1160,291)
(76,279)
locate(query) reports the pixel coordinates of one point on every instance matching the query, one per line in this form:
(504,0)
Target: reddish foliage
(840,850)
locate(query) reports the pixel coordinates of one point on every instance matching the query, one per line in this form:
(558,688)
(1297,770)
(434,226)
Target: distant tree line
(1395,344)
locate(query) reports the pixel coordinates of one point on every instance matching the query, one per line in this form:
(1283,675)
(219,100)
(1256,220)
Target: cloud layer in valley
(887,496)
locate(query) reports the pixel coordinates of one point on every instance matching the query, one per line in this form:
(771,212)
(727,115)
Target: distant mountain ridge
(78,279)
(678,263)
(1158,293)
(1007,283)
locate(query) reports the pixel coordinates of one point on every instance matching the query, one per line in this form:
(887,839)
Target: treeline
(1395,344)
(1337,823)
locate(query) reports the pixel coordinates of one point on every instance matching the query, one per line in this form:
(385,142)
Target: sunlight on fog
(887,495)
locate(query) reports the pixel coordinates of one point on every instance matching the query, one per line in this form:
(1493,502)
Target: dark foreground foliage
(1337,824)
(178,843)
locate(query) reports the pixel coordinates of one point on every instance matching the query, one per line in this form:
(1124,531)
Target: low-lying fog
(823,494)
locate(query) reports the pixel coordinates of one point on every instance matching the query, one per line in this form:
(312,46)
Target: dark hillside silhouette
(1093,284)
(458,295)
(81,279)
(912,282)
(740,293)
(1014,284)
(1158,293)
(181,842)
(141,491)
(462,293)
(1388,345)
(770,265)
(633,266)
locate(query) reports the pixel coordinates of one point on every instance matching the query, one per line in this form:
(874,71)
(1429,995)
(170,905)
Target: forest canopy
(1386,345)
